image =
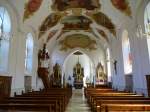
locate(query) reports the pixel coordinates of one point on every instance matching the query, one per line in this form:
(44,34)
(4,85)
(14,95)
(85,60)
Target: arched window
(147,24)
(29,53)
(126,53)
(5,30)
(147,18)
(108,64)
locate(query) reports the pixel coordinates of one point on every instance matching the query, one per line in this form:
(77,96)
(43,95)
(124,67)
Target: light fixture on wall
(140,33)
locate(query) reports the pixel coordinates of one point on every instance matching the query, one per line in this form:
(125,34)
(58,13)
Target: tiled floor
(78,102)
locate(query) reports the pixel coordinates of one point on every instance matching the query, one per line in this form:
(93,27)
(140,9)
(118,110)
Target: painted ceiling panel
(77,40)
(75,15)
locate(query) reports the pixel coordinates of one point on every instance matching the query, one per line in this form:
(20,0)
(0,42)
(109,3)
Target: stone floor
(78,102)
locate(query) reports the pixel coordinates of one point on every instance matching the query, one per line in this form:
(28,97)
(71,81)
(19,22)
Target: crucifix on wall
(115,66)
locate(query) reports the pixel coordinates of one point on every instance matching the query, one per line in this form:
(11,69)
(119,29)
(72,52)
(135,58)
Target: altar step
(78,102)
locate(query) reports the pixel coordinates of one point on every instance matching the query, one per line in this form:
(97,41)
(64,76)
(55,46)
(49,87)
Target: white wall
(139,52)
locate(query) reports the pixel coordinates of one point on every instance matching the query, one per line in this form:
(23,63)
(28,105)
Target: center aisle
(78,102)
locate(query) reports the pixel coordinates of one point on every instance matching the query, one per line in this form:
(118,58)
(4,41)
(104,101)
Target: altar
(78,74)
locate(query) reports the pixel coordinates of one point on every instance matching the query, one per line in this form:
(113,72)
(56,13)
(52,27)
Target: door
(148,84)
(28,83)
(129,82)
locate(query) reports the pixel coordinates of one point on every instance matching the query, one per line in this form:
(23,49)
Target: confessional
(78,74)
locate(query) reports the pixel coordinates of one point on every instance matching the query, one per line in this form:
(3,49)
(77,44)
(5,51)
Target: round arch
(91,72)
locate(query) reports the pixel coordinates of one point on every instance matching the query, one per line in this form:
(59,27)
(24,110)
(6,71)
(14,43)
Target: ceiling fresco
(103,34)
(51,34)
(76,23)
(77,41)
(123,6)
(76,16)
(62,5)
(31,7)
(48,23)
(103,20)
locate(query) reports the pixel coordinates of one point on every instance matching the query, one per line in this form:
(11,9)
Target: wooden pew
(25,101)
(60,103)
(56,99)
(27,107)
(101,103)
(125,108)
(63,98)
(101,100)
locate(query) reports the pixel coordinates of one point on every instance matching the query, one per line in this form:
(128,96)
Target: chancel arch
(78,63)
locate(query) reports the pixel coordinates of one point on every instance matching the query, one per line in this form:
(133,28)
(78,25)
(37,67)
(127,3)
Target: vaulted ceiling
(97,19)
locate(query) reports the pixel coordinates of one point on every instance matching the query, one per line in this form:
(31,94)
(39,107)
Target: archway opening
(78,57)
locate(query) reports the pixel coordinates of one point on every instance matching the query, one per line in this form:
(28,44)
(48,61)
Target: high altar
(78,74)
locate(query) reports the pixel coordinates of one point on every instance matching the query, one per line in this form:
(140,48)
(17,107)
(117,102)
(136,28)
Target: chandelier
(140,33)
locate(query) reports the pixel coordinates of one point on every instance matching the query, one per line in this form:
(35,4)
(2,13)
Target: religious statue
(43,58)
(43,66)
(115,66)
(78,74)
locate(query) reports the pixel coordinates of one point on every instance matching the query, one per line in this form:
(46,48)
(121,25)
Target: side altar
(78,74)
